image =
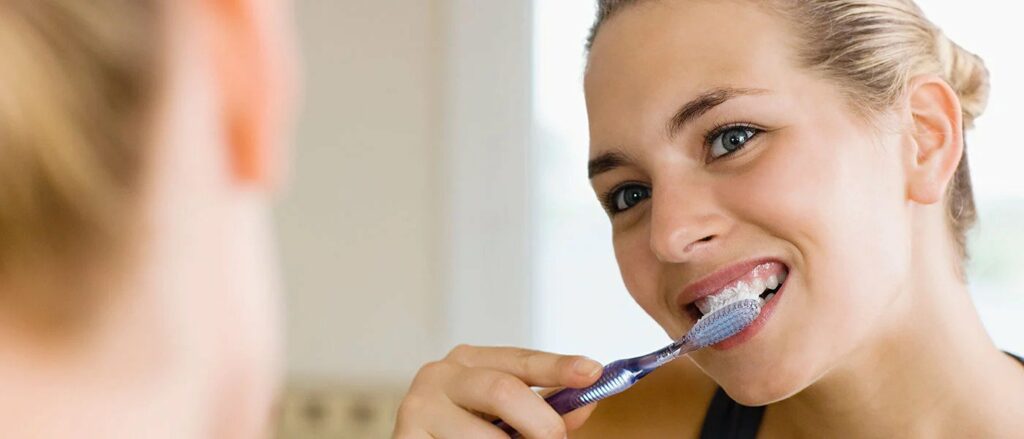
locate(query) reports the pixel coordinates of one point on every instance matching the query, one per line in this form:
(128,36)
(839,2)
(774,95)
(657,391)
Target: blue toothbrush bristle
(724,323)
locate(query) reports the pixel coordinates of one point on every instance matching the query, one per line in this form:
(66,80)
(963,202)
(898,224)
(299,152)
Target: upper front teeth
(758,285)
(740,290)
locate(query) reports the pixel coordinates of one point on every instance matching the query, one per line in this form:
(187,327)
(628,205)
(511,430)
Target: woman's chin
(758,395)
(762,387)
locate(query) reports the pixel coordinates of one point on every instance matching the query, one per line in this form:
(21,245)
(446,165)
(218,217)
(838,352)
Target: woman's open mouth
(759,279)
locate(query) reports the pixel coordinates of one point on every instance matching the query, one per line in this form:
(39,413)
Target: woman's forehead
(698,42)
(648,60)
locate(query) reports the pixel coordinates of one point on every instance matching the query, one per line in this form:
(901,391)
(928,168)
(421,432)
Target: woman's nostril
(695,244)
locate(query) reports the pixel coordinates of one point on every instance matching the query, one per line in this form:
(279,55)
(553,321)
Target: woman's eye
(731,140)
(626,197)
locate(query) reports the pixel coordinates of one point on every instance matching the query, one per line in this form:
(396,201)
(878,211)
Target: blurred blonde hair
(871,49)
(76,80)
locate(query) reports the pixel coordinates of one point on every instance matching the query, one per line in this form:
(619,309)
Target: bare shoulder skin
(668,403)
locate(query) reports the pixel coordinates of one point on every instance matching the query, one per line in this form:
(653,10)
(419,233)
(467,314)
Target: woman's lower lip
(750,331)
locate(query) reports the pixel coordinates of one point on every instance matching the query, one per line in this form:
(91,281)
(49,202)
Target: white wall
(487,137)
(405,229)
(358,226)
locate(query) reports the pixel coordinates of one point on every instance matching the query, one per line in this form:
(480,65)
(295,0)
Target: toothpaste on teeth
(739,291)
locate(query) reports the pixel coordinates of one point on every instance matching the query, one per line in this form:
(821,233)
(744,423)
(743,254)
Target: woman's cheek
(639,269)
(833,208)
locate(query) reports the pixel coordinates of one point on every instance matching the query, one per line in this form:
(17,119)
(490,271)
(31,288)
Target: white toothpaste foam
(729,295)
(741,290)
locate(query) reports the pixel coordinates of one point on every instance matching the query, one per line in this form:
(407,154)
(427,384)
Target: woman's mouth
(762,280)
(762,283)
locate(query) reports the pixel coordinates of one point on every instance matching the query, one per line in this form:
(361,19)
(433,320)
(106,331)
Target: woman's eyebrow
(686,114)
(704,103)
(606,162)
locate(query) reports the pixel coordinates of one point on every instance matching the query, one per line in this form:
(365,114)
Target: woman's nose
(684,224)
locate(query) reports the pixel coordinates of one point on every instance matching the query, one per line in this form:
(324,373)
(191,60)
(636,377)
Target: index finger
(536,368)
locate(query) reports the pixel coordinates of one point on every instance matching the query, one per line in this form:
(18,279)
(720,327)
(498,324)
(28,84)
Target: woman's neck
(930,370)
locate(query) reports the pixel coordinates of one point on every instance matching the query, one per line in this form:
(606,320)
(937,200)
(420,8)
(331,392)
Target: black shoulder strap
(728,419)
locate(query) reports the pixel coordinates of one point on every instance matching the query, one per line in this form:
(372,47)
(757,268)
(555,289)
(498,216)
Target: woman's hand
(448,398)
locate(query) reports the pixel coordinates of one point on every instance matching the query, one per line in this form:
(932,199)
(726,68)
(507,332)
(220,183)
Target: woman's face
(770,167)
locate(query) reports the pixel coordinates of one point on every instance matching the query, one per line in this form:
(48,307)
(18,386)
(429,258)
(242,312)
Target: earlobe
(936,140)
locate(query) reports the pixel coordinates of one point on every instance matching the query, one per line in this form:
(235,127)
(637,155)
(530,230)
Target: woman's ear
(936,144)
(253,60)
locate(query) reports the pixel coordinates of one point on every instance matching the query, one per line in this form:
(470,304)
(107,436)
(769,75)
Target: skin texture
(854,208)
(188,345)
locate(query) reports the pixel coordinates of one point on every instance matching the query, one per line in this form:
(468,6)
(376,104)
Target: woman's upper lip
(718,280)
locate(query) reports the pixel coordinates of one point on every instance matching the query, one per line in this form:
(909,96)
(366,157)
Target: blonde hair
(76,81)
(871,49)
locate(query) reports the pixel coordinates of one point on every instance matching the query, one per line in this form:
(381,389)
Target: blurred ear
(254,63)
(937,140)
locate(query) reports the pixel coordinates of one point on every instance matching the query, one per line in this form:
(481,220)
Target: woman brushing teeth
(735,145)
(750,280)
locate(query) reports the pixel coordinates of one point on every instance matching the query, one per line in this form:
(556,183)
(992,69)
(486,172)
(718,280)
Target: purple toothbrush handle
(621,375)
(616,377)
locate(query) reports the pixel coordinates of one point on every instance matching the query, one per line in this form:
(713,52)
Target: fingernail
(587,367)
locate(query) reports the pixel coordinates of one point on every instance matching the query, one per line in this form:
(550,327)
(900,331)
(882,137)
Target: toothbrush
(622,374)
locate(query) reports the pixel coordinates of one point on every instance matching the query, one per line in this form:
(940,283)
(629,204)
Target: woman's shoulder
(669,402)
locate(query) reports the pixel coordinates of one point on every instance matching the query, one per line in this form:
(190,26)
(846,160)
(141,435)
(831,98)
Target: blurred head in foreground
(140,143)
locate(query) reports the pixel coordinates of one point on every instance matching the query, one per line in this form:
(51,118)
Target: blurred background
(439,196)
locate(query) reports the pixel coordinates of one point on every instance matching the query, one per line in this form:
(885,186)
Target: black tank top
(728,419)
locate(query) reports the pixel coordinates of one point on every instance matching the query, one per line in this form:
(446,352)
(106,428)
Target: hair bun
(967,74)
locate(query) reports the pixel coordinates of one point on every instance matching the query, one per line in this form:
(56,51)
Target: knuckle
(432,370)
(503,389)
(430,377)
(460,352)
(524,359)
